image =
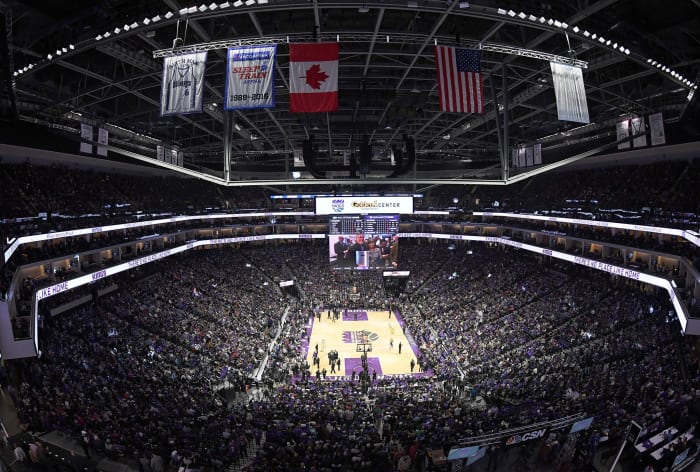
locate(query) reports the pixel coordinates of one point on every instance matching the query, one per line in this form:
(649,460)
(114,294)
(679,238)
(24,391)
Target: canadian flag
(313,77)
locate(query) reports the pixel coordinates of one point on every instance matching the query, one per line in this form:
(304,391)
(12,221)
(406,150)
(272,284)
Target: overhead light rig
(402,38)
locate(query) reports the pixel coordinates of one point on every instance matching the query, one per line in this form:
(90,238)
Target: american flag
(460,85)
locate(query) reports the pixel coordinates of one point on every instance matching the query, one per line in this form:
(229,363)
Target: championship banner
(521,157)
(103,139)
(160,152)
(86,134)
(529,156)
(570,93)
(250,77)
(538,154)
(637,125)
(656,129)
(182,88)
(623,132)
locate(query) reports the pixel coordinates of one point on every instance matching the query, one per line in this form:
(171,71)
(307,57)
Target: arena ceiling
(642,57)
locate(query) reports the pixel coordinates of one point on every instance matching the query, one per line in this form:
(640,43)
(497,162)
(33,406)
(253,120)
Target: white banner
(570,93)
(363,205)
(514,158)
(521,157)
(250,77)
(656,129)
(529,157)
(103,139)
(637,125)
(623,132)
(173,156)
(181,158)
(299,158)
(159,153)
(86,133)
(538,154)
(182,88)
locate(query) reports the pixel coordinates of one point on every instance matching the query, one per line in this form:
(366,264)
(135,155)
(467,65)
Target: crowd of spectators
(137,371)
(135,374)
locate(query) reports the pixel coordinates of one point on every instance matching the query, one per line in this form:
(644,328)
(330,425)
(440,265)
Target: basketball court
(356,332)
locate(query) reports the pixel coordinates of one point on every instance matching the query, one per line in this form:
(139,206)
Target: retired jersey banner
(86,134)
(656,129)
(183,84)
(103,139)
(313,77)
(250,77)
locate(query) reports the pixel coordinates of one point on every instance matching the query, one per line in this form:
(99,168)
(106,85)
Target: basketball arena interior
(327,235)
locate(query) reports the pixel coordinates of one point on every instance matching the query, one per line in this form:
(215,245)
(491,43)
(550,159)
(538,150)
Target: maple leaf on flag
(314,76)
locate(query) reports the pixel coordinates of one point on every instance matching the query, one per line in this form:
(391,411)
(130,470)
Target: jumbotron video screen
(363,242)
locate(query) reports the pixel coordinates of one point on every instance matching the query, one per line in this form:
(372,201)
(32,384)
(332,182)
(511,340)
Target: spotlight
(156,19)
(117,30)
(522,15)
(249,2)
(586,33)
(183,11)
(71,47)
(501,11)
(213,6)
(575,28)
(203,8)
(238,3)
(98,37)
(224,5)
(146,21)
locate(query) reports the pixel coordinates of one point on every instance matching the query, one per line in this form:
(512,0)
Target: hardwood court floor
(343,335)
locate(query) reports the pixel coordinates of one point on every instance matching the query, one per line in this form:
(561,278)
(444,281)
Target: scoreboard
(384,225)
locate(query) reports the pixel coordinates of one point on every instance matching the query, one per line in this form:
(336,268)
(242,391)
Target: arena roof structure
(100,63)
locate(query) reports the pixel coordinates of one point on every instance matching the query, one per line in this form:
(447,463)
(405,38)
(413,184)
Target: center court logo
(354,337)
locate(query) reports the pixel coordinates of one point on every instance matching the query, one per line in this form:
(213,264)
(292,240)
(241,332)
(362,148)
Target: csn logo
(338,205)
(517,438)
